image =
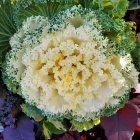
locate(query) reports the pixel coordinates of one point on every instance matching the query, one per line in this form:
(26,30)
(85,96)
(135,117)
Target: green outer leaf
(7,27)
(32,111)
(24,9)
(42,1)
(117,30)
(54,127)
(46,132)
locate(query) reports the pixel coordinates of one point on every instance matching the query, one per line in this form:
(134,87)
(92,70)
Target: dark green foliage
(7,27)
(134,5)
(136,54)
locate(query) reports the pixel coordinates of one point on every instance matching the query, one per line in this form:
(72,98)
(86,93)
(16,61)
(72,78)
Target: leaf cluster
(14,12)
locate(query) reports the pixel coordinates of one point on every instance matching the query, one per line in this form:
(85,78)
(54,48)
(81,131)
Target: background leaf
(136,103)
(137,88)
(121,125)
(7,27)
(134,5)
(23,131)
(136,53)
(73,135)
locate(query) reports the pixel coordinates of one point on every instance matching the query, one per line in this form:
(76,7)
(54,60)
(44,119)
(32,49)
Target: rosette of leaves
(33,31)
(115,29)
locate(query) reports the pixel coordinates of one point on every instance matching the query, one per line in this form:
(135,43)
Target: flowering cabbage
(67,68)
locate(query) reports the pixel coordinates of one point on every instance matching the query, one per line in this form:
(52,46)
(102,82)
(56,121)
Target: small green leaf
(55,127)
(46,132)
(52,127)
(32,112)
(96,121)
(85,125)
(108,3)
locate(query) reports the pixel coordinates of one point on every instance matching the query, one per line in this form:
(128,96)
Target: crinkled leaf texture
(23,131)
(121,125)
(28,8)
